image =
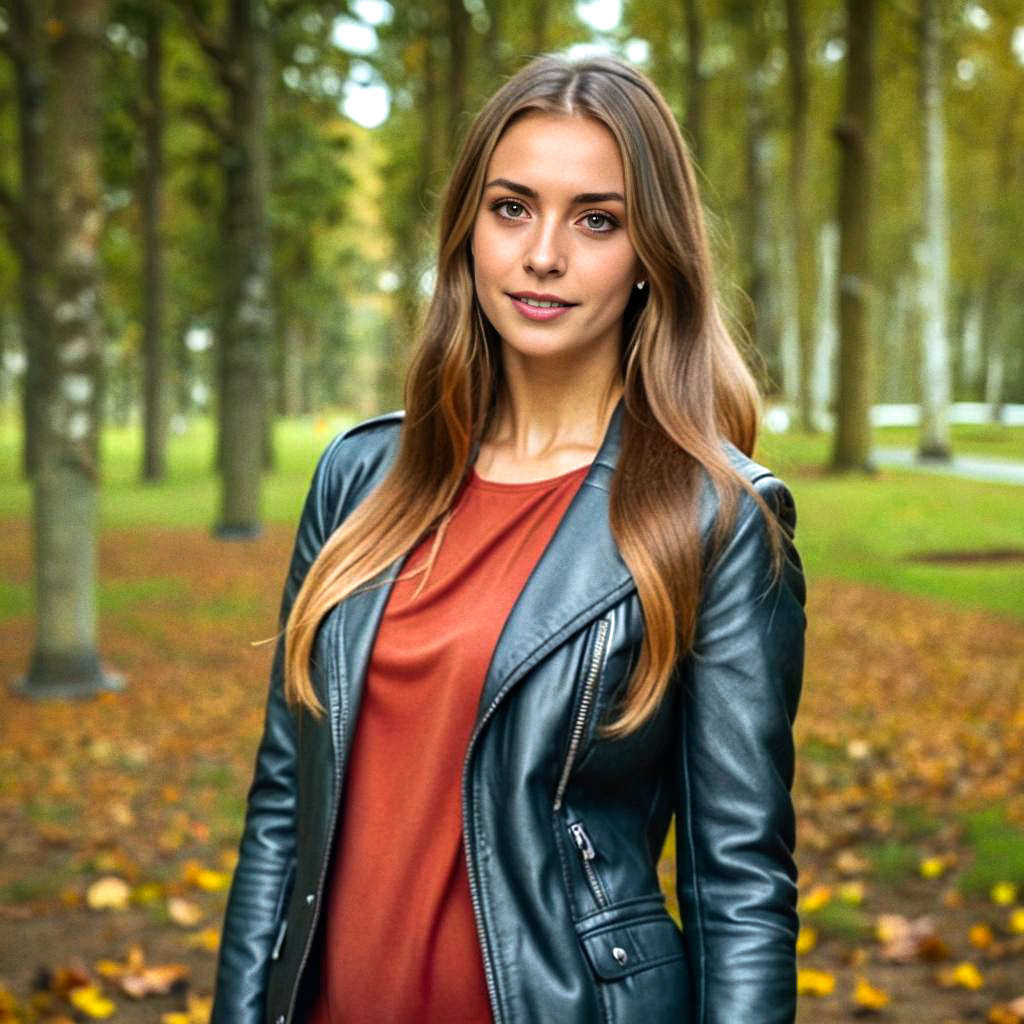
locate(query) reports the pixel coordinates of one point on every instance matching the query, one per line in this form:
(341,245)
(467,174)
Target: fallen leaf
(867,998)
(91,1001)
(1004,893)
(963,975)
(806,939)
(810,982)
(184,912)
(109,893)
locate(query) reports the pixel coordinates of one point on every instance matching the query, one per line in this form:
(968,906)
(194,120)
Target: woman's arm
(735,823)
(268,836)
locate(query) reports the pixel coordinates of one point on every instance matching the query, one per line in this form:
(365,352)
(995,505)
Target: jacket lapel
(578,576)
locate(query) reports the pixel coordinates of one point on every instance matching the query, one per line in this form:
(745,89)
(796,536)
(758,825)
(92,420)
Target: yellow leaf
(1004,893)
(810,982)
(867,997)
(91,1001)
(184,912)
(212,881)
(980,936)
(932,867)
(806,939)
(1002,1014)
(1017,920)
(208,939)
(963,975)
(109,893)
(816,898)
(852,893)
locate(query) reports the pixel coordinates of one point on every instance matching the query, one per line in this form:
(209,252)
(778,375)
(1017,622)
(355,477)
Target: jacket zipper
(576,736)
(587,854)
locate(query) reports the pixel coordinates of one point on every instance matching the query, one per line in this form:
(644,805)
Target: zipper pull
(582,840)
(276,951)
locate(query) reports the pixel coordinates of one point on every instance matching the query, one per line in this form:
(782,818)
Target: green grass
(866,529)
(892,861)
(968,439)
(840,920)
(998,847)
(849,527)
(914,823)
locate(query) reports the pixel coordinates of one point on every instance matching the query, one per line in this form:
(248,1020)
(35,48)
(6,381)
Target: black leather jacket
(562,831)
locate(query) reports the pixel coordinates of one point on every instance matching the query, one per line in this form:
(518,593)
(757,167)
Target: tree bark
(800,229)
(26,50)
(246,321)
(934,441)
(154,366)
(695,92)
(855,135)
(64,660)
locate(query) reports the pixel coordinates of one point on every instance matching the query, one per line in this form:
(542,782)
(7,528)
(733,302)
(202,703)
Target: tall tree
(696,94)
(855,134)
(240,57)
(799,220)
(154,364)
(27,210)
(934,441)
(65,661)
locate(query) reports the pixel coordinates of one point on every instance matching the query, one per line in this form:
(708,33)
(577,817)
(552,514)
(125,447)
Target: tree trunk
(539,20)
(823,380)
(800,229)
(934,441)
(247,319)
(154,367)
(855,135)
(695,92)
(458,28)
(761,321)
(64,660)
(494,42)
(26,49)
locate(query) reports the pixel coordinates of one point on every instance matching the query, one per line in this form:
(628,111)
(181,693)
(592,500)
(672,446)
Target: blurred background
(217,221)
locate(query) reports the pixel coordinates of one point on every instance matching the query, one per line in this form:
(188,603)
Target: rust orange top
(400,943)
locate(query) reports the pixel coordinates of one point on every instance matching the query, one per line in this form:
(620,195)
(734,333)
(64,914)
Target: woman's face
(552,221)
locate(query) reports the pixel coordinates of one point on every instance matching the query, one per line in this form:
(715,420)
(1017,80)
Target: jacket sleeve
(268,838)
(735,822)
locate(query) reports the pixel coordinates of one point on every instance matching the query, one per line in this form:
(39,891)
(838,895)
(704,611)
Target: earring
(640,285)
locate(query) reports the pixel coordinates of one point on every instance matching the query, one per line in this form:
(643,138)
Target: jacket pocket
(639,965)
(281,910)
(619,949)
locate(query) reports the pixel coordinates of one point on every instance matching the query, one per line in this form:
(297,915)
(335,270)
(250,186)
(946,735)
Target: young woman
(528,620)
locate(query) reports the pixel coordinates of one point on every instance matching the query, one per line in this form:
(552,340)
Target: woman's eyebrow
(583,197)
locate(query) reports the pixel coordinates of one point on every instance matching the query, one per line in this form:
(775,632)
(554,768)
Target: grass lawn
(850,528)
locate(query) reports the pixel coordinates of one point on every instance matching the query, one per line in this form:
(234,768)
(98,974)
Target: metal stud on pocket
(620,955)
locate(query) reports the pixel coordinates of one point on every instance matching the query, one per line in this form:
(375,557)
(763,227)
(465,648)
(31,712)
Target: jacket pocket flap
(622,948)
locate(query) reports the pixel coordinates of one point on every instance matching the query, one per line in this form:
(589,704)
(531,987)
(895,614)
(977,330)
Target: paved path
(975,467)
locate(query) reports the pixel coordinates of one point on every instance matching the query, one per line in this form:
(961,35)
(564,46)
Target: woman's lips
(537,312)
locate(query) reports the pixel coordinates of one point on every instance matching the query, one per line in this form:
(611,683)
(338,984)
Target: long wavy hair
(685,387)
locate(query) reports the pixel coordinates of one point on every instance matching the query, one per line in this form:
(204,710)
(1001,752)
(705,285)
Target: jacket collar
(579,575)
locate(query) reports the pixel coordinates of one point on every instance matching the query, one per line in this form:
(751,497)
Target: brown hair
(686,386)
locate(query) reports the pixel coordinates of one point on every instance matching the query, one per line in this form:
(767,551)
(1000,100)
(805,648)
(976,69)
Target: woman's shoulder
(765,481)
(353,461)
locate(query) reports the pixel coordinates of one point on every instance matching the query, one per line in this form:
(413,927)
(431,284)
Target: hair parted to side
(686,386)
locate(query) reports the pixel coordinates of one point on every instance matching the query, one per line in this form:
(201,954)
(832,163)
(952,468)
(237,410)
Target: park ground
(120,815)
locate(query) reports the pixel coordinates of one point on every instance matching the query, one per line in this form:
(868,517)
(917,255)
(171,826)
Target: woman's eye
(604,217)
(506,203)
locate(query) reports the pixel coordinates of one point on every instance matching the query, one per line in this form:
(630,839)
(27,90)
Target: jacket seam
(698,901)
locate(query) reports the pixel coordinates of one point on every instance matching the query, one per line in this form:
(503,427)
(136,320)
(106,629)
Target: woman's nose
(545,251)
